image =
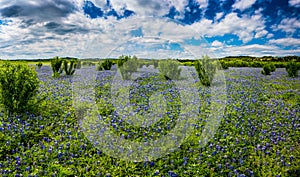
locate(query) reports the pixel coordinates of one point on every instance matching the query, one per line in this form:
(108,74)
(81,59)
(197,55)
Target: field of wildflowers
(259,133)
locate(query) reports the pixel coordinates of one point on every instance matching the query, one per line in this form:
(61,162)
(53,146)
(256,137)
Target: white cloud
(244,27)
(285,41)
(295,3)
(288,25)
(216,44)
(243,4)
(261,34)
(203,3)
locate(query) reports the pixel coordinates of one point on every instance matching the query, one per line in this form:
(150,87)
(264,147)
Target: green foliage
(69,67)
(39,65)
(104,65)
(292,69)
(272,67)
(256,64)
(170,69)
(128,65)
(224,65)
(122,59)
(155,63)
(18,86)
(266,69)
(56,65)
(206,70)
(87,63)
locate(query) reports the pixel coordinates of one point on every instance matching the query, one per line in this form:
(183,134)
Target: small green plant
(266,69)
(56,65)
(272,67)
(18,87)
(170,69)
(292,69)
(69,67)
(107,64)
(39,65)
(206,70)
(128,66)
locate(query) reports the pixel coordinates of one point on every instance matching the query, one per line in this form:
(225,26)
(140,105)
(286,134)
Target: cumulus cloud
(295,3)
(243,4)
(286,42)
(244,27)
(288,25)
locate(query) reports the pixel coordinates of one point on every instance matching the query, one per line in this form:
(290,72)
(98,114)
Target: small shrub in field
(292,69)
(18,86)
(266,69)
(107,64)
(69,67)
(56,65)
(122,59)
(170,69)
(128,67)
(272,67)
(39,65)
(206,70)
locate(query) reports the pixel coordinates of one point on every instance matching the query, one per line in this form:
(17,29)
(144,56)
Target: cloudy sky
(148,28)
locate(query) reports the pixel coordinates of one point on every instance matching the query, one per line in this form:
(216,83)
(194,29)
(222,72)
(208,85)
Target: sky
(34,29)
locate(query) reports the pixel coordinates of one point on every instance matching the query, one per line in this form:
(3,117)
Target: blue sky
(148,28)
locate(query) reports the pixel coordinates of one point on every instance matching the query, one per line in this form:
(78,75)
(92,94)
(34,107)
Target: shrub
(206,70)
(18,86)
(107,64)
(292,69)
(272,67)
(224,65)
(39,65)
(256,64)
(128,66)
(69,67)
(170,69)
(266,69)
(56,65)
(122,59)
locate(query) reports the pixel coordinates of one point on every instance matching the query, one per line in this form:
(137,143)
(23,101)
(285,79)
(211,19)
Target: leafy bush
(224,64)
(122,59)
(266,69)
(170,69)
(18,86)
(272,67)
(206,70)
(69,67)
(56,65)
(292,69)
(256,64)
(107,64)
(39,65)
(128,66)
